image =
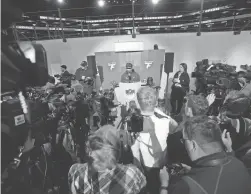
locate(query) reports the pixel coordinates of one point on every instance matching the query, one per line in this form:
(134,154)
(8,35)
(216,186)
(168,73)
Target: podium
(127,92)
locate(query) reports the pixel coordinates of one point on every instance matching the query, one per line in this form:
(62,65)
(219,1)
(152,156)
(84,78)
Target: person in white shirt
(149,149)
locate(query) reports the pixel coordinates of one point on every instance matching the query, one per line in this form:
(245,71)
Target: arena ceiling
(85,18)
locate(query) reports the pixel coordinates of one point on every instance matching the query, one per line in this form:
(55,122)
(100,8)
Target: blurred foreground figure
(212,170)
(196,105)
(102,173)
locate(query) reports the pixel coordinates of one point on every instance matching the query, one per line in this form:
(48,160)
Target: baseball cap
(128,66)
(64,66)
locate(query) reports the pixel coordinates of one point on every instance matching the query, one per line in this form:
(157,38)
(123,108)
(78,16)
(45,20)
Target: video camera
(215,77)
(20,72)
(246,73)
(23,65)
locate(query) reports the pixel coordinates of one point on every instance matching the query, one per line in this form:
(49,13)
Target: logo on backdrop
(130,94)
(148,64)
(111,65)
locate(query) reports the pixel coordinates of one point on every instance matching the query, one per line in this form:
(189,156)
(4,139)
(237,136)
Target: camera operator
(13,64)
(195,105)
(180,87)
(149,149)
(24,121)
(213,168)
(233,117)
(237,126)
(134,118)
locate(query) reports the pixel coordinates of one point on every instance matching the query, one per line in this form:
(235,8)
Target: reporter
(180,87)
(212,170)
(195,105)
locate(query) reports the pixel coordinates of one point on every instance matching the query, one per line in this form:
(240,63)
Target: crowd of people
(200,154)
(142,149)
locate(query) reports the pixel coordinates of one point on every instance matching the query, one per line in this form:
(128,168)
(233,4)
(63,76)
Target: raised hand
(227,141)
(211,99)
(164,177)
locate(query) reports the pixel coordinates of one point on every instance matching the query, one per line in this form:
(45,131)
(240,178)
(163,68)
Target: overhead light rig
(136,18)
(155,24)
(143,27)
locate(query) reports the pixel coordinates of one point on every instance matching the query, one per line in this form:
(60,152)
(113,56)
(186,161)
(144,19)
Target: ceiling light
(60,1)
(101,3)
(155,2)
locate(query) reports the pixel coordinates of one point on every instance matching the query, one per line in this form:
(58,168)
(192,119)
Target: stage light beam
(155,2)
(101,3)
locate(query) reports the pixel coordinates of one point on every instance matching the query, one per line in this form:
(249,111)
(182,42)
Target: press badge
(19,120)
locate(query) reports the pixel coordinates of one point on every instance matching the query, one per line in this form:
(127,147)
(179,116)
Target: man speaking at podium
(130,76)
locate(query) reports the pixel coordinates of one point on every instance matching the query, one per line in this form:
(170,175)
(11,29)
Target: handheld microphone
(129,77)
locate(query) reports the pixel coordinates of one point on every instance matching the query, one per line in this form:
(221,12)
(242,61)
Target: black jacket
(244,154)
(66,78)
(215,174)
(184,80)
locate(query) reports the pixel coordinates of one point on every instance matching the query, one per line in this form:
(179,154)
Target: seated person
(130,76)
(102,173)
(149,82)
(212,170)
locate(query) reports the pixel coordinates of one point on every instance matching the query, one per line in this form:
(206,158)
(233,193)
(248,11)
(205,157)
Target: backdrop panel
(108,67)
(188,48)
(146,63)
(151,64)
